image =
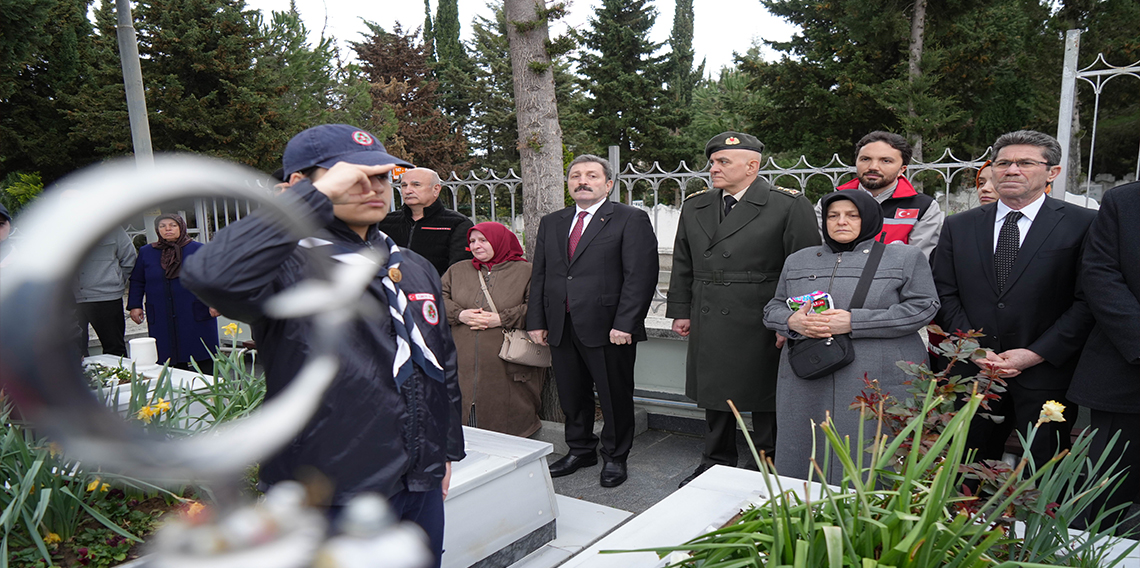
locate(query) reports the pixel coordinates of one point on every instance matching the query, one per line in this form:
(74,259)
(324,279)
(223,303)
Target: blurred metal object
(40,371)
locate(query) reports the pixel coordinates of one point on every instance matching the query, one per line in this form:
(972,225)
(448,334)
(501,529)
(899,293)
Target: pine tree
(405,111)
(309,88)
(493,128)
(623,79)
(45,68)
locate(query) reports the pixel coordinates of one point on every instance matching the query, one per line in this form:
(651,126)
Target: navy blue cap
(327,144)
(4,213)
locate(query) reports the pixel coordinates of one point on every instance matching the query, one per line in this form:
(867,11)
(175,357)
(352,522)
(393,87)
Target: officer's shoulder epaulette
(787,190)
(694,194)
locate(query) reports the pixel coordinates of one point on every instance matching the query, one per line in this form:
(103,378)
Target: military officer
(730,249)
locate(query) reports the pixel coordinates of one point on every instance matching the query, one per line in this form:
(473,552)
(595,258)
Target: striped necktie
(410,344)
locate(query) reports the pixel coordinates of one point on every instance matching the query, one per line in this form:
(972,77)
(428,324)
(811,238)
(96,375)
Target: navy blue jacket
(367,435)
(177,320)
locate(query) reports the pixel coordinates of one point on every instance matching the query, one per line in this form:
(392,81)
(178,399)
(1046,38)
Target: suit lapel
(601,217)
(985,238)
(1047,219)
(743,212)
(562,228)
(708,215)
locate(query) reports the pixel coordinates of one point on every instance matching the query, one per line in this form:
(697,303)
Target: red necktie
(576,234)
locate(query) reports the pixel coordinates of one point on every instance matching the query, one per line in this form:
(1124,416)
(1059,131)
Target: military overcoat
(724,272)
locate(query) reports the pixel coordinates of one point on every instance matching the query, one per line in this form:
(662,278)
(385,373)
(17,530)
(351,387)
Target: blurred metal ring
(40,374)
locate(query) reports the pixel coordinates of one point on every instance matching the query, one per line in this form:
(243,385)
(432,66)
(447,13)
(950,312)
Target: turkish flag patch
(421,297)
(906,214)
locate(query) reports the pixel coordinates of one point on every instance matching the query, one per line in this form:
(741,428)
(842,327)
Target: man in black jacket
(1009,269)
(424,225)
(390,421)
(1107,380)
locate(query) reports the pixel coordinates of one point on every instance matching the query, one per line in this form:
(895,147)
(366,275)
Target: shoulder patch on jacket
(787,190)
(692,195)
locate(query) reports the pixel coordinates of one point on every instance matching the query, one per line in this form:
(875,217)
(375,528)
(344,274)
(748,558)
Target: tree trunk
(914,72)
(540,136)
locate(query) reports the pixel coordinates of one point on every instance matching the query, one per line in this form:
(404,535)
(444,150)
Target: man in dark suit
(1009,269)
(1107,380)
(595,270)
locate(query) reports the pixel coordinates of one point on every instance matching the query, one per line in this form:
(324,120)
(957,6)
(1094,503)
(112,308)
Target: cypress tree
(623,80)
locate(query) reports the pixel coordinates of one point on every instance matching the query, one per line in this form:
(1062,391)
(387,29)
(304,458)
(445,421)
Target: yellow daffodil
(54,449)
(97,484)
(1051,411)
(52,538)
(148,412)
(230,330)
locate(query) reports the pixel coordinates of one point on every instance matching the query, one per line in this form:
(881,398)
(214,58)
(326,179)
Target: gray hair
(1051,149)
(584,158)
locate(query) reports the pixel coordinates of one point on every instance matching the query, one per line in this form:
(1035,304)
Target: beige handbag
(517,347)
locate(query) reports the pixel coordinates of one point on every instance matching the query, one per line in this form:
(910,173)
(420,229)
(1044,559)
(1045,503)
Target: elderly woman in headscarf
(497,395)
(184,328)
(901,300)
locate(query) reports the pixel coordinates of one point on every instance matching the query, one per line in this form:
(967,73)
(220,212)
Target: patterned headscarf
(503,242)
(171,260)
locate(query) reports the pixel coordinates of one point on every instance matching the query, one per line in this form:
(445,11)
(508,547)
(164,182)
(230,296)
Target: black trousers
(110,325)
(720,439)
(578,369)
(1107,424)
(1021,408)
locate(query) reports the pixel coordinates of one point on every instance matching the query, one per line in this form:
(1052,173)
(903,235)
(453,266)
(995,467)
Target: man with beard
(909,217)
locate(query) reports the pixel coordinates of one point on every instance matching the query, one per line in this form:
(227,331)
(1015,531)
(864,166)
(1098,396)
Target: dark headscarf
(870,216)
(4,213)
(503,242)
(171,260)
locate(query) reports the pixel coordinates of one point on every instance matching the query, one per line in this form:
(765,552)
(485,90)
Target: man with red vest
(909,217)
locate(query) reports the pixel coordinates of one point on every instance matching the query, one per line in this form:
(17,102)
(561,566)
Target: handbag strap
(483,284)
(865,278)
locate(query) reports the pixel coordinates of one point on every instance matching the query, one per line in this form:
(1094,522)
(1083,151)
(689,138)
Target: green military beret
(733,141)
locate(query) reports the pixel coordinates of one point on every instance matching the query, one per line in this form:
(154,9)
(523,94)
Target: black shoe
(571,463)
(613,474)
(696,473)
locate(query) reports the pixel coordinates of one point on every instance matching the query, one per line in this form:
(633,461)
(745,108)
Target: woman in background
(183,327)
(497,395)
(987,192)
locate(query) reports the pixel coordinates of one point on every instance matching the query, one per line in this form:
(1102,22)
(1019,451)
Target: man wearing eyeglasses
(1009,269)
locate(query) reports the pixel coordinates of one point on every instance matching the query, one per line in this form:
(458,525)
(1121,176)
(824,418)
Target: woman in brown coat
(497,395)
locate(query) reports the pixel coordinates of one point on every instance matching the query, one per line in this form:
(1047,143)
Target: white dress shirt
(589,216)
(1028,214)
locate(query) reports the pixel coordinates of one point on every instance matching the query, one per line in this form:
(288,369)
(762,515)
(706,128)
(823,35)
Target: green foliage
(19,189)
(405,102)
(452,65)
(902,508)
(623,78)
(93,521)
(49,66)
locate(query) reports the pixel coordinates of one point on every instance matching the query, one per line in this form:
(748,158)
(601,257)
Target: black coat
(439,236)
(609,282)
(366,435)
(1108,374)
(1042,308)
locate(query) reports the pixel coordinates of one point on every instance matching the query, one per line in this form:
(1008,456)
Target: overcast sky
(721,27)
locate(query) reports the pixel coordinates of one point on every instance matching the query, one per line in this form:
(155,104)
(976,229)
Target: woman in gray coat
(900,301)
